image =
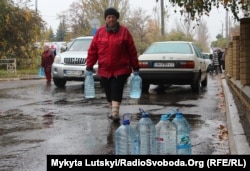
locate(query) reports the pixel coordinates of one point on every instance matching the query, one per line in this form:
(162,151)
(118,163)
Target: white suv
(71,64)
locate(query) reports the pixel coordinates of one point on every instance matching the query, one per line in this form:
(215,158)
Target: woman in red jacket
(47,61)
(114,49)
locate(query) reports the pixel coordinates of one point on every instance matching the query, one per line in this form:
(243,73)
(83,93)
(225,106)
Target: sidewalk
(237,138)
(23,77)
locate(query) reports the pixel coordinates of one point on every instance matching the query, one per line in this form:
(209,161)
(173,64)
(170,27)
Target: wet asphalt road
(37,120)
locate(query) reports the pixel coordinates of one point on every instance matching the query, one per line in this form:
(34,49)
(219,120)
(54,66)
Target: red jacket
(115,52)
(47,58)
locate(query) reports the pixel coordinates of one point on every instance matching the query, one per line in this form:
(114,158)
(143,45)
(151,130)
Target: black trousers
(114,86)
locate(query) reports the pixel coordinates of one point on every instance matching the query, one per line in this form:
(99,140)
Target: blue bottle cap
(126,117)
(126,122)
(145,115)
(164,117)
(178,115)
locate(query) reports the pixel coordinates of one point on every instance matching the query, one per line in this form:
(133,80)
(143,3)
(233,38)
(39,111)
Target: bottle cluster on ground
(166,133)
(166,137)
(126,137)
(183,134)
(146,134)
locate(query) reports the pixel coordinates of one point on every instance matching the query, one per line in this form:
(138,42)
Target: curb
(237,140)
(31,77)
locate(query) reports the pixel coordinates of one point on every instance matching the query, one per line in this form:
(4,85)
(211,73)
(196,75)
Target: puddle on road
(16,121)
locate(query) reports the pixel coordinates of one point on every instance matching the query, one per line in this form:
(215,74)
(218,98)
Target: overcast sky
(50,8)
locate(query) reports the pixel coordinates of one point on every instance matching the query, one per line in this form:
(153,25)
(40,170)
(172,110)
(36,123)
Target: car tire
(196,85)
(59,82)
(204,82)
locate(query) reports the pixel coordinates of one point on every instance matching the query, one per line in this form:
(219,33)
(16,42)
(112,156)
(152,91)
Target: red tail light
(143,64)
(187,64)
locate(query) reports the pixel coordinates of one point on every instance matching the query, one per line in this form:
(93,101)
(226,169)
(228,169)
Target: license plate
(74,73)
(163,64)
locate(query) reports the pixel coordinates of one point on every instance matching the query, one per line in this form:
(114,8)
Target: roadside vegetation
(18,74)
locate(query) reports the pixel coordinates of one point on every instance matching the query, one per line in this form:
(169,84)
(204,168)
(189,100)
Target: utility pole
(222,29)
(36,5)
(227,25)
(162,18)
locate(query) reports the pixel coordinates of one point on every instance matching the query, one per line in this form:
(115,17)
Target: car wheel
(204,82)
(196,85)
(59,82)
(145,86)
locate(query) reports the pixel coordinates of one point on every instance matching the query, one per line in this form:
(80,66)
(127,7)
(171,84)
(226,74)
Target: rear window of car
(198,51)
(169,48)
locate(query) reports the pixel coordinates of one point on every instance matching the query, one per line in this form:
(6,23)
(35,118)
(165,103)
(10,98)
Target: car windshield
(169,48)
(80,45)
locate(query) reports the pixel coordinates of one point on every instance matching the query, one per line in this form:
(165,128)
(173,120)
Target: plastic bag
(41,72)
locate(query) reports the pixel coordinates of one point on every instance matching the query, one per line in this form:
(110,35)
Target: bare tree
(138,26)
(202,35)
(186,26)
(81,12)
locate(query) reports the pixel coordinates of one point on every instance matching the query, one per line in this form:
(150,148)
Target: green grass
(12,74)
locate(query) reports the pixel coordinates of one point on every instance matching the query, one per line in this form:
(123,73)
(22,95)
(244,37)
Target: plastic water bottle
(41,72)
(166,133)
(135,86)
(146,134)
(89,85)
(126,138)
(183,134)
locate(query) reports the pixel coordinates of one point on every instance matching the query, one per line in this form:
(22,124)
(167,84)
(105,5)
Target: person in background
(47,60)
(114,49)
(53,49)
(216,62)
(220,53)
(223,59)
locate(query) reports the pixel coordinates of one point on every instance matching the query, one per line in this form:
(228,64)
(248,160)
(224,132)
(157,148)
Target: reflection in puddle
(48,119)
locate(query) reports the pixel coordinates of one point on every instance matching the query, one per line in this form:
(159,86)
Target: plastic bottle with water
(135,86)
(126,137)
(89,85)
(166,133)
(146,134)
(183,134)
(41,72)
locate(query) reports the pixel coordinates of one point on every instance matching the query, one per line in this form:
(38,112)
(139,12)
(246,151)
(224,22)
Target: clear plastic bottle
(135,86)
(89,85)
(183,134)
(166,133)
(126,138)
(146,134)
(41,72)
